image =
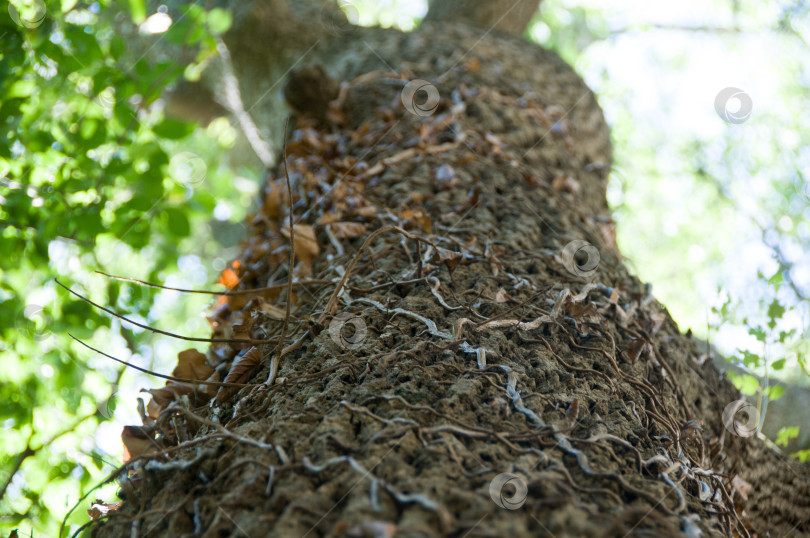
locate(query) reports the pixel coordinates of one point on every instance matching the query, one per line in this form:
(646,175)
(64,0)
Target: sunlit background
(712,205)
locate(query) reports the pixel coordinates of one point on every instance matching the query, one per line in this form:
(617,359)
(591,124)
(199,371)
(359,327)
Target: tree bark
(448,194)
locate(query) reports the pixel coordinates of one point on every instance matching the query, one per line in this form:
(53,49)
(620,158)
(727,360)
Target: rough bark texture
(482,346)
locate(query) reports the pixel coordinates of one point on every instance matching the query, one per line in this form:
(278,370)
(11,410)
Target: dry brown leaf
(638,349)
(420,217)
(153,409)
(366,211)
(448,257)
(241,331)
(306,244)
(171,393)
(741,487)
(275,199)
(137,442)
(329,217)
(348,230)
(583,310)
(97,509)
(270,310)
(501,296)
(191,364)
(240,372)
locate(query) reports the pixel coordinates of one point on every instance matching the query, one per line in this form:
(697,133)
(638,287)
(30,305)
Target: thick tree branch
(508,16)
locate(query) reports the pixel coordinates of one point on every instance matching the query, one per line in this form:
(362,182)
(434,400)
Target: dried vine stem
(342,284)
(311,282)
(159,331)
(280,348)
(169,377)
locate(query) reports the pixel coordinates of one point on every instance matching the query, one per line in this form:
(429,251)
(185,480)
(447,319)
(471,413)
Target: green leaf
(778,364)
(775,311)
(173,129)
(775,392)
(137,8)
(67,5)
(177,222)
(751,359)
(20,89)
(745,383)
(786,433)
(219,20)
(758,332)
(784,335)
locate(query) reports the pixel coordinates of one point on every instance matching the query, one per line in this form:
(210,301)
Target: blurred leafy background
(93,177)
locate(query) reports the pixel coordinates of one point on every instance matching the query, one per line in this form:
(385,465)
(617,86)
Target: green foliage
(92,177)
(786,434)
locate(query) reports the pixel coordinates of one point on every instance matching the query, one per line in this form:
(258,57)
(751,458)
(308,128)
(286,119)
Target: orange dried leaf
(230,276)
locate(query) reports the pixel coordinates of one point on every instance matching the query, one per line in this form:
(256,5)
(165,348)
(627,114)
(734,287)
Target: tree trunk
(466,353)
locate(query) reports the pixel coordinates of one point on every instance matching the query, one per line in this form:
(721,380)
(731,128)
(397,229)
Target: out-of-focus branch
(509,16)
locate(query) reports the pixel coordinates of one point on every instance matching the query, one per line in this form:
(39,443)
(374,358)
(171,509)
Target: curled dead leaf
(242,368)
